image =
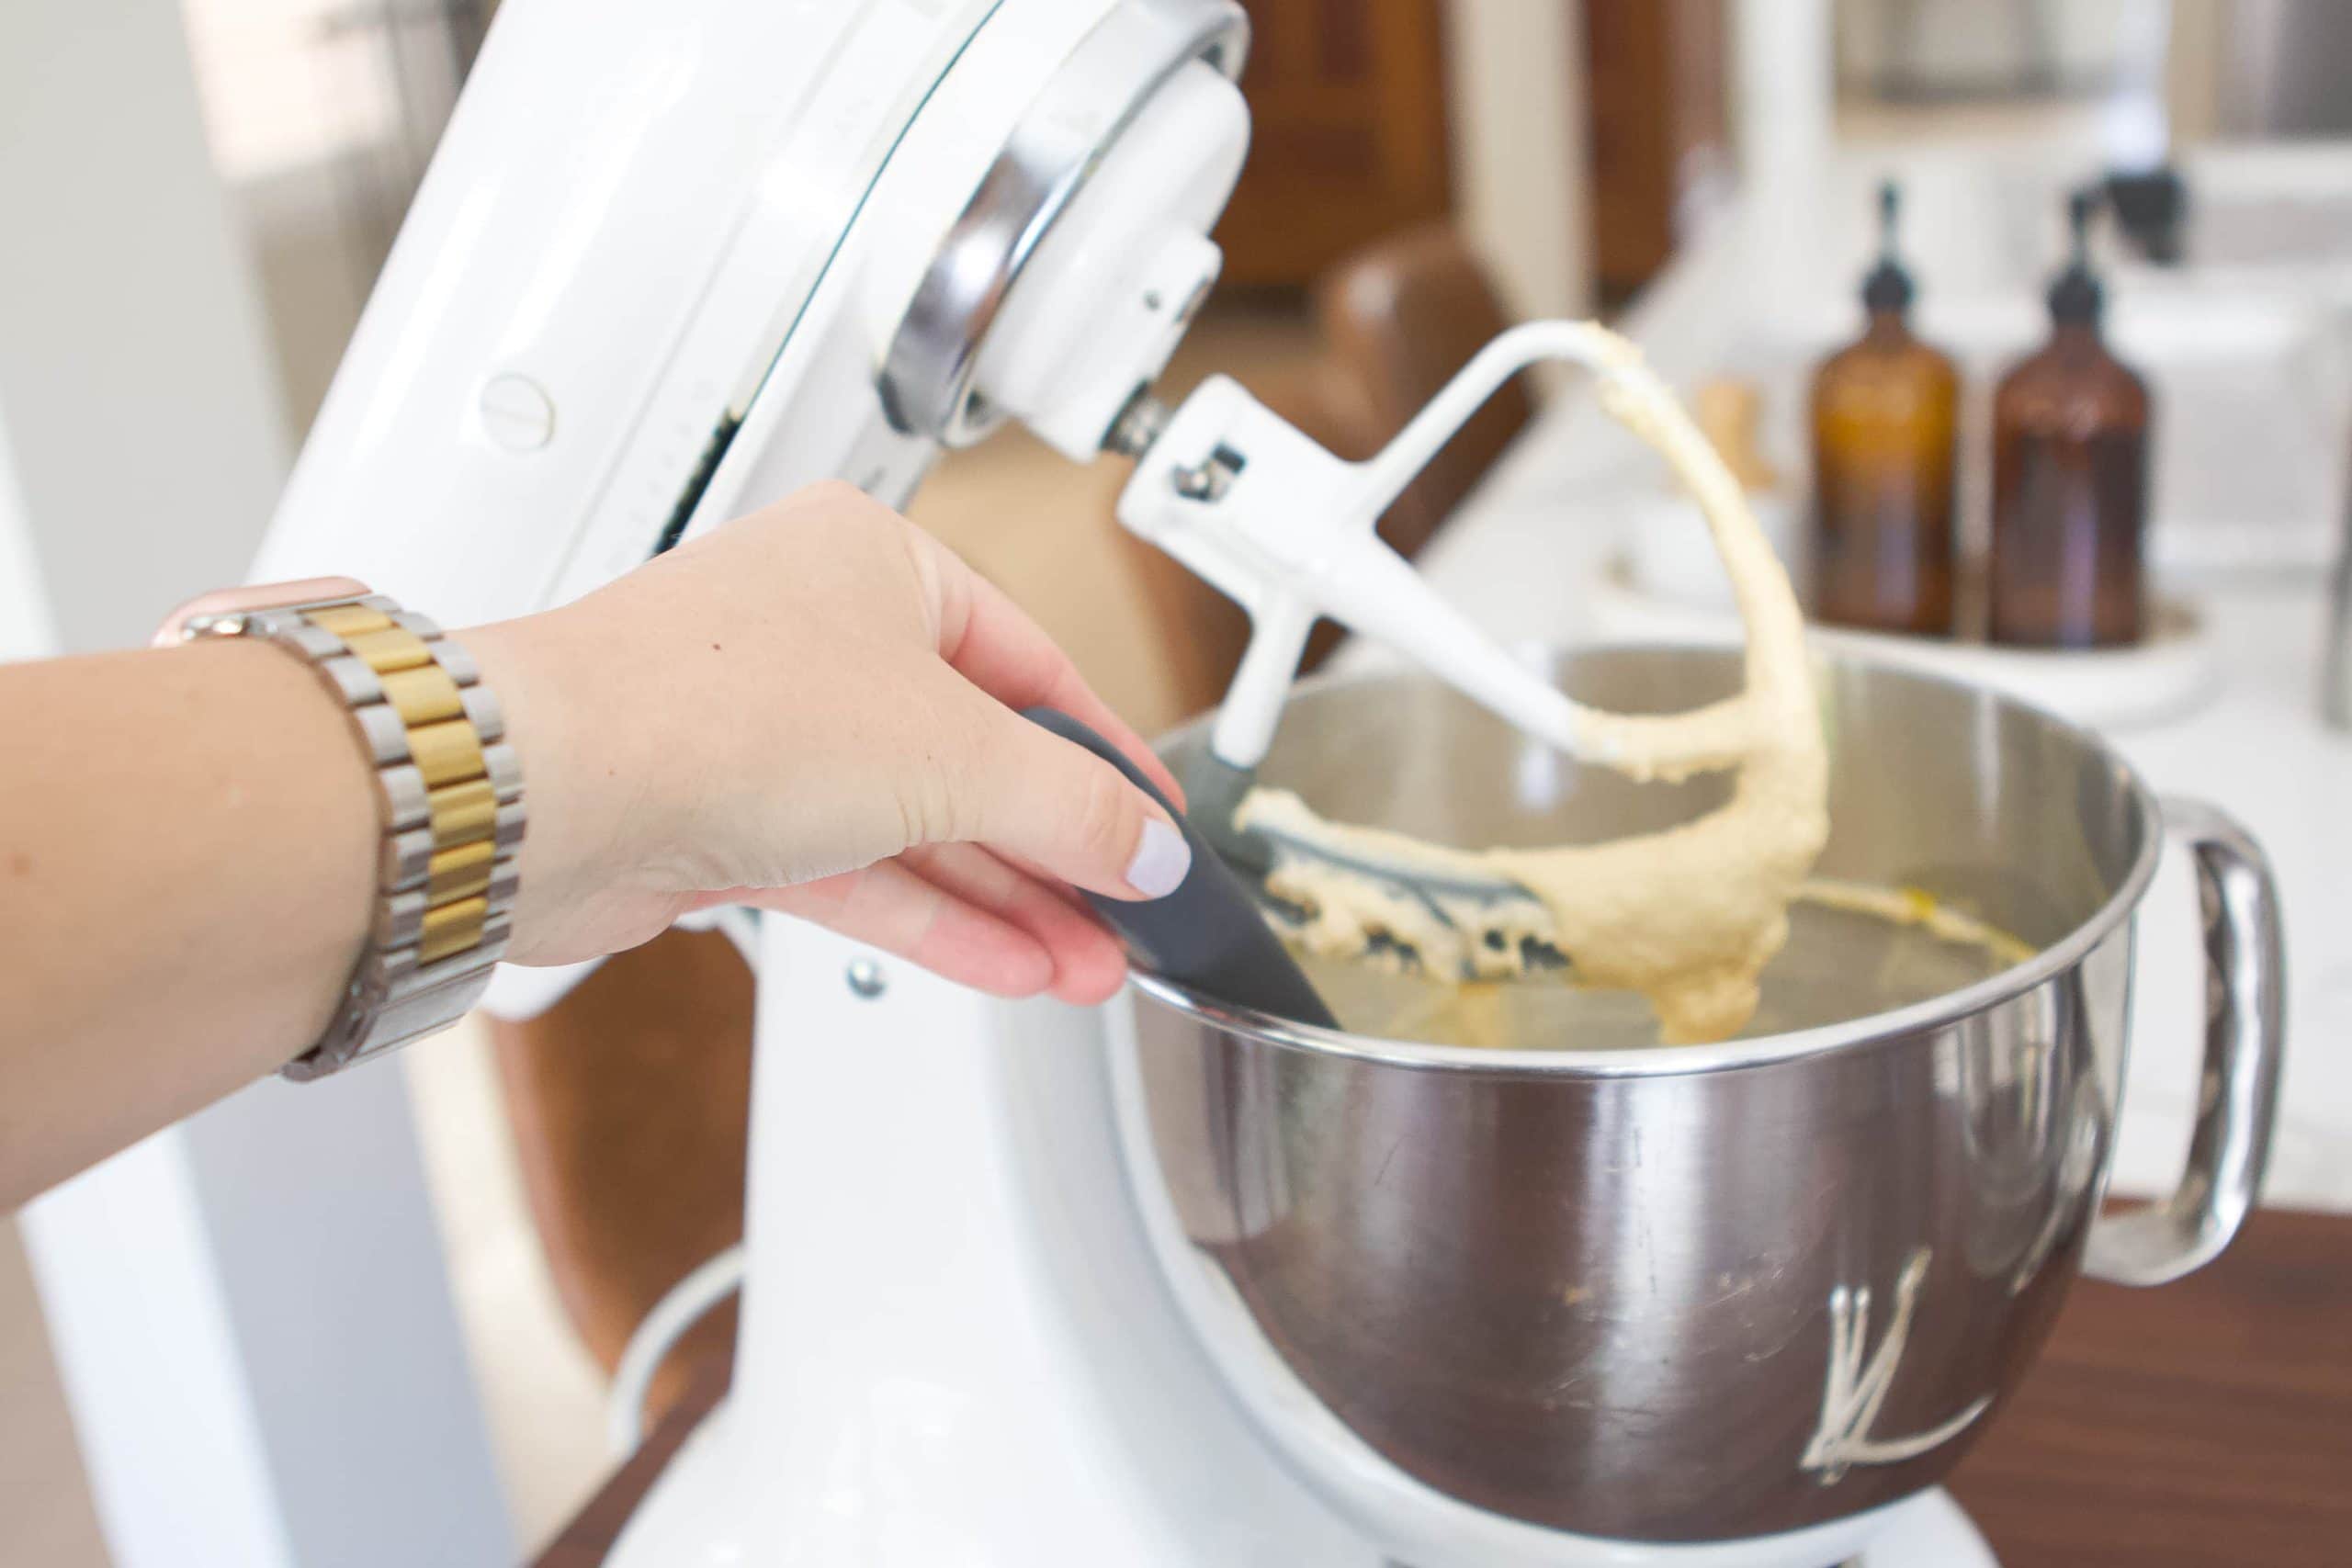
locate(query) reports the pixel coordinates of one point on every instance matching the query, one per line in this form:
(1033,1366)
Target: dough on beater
(1688,917)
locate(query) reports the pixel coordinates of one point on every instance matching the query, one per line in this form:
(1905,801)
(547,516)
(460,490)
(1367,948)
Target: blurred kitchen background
(194,202)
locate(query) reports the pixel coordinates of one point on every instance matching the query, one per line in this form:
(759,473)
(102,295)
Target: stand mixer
(671,262)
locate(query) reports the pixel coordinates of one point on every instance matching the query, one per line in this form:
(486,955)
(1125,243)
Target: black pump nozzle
(1888,286)
(2075,296)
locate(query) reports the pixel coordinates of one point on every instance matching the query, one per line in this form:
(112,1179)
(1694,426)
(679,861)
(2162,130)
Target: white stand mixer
(670,263)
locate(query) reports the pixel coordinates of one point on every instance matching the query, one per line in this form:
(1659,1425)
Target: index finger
(992,642)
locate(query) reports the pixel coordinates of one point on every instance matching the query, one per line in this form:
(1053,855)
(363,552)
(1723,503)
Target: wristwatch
(448,790)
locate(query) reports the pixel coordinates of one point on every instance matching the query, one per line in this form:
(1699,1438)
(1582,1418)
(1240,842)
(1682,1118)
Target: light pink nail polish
(1162,859)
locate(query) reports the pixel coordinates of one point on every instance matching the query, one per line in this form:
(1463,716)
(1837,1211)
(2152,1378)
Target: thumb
(1048,801)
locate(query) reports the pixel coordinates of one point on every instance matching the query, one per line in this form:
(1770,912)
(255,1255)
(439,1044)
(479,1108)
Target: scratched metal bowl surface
(1661,1294)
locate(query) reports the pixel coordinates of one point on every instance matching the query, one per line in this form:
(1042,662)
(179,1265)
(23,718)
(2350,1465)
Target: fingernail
(1162,857)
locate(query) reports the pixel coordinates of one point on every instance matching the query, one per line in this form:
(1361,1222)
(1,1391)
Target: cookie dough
(1688,917)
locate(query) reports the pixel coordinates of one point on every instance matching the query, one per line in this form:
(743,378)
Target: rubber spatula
(1209,934)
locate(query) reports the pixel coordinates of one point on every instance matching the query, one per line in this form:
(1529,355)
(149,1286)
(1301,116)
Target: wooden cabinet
(1656,75)
(1348,143)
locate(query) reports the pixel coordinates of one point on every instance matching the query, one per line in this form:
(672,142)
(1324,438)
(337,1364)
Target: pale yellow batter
(1689,916)
(1916,907)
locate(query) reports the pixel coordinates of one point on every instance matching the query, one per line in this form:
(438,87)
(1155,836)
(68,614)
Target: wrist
(446,788)
(590,814)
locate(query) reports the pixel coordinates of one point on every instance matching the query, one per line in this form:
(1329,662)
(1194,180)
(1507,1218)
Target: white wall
(134,380)
(249,1310)
(1784,91)
(1522,173)
(1783,112)
(25,628)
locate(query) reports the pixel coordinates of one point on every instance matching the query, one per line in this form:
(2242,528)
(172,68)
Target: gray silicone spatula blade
(1209,934)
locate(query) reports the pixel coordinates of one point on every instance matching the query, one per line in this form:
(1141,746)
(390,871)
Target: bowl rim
(1731,1055)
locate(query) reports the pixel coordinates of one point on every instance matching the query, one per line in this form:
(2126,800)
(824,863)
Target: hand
(813,710)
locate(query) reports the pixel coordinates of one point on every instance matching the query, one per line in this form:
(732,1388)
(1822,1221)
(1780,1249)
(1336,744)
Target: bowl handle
(2245,991)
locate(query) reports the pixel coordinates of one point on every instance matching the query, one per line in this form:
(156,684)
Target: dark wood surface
(2203,1423)
(585,1543)
(2207,1424)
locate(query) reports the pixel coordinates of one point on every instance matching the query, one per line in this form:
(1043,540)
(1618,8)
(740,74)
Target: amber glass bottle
(1886,425)
(2070,480)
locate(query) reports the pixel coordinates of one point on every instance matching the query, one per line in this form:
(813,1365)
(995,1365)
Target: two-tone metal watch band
(451,798)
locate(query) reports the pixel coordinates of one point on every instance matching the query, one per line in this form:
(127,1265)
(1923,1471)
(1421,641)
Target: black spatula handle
(1208,934)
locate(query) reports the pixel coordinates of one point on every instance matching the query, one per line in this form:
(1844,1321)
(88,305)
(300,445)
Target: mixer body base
(1932,1533)
(694,1518)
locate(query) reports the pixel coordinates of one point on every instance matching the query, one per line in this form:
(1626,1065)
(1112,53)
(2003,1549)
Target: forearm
(188,847)
(812,710)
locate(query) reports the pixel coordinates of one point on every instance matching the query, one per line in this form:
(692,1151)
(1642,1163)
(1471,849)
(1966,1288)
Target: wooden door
(1347,99)
(1656,74)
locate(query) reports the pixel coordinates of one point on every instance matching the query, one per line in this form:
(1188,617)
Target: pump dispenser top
(2075,297)
(1888,286)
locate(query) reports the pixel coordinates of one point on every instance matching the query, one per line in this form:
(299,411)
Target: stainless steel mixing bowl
(1699,1293)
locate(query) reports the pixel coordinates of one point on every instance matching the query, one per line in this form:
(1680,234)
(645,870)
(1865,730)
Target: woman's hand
(814,710)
